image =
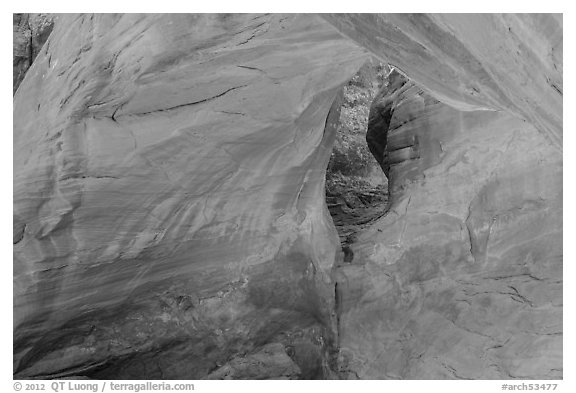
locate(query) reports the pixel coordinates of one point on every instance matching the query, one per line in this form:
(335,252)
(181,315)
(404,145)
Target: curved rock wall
(509,62)
(169,218)
(463,277)
(168,203)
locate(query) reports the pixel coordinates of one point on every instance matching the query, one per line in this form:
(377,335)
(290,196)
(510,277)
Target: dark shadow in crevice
(356,187)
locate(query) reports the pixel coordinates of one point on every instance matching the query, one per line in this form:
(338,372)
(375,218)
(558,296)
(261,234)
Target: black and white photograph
(286,196)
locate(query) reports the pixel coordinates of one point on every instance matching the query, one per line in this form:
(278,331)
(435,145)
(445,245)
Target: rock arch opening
(189,238)
(356,186)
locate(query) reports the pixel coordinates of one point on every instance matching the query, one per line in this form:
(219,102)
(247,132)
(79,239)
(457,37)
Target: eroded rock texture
(510,62)
(463,277)
(169,213)
(30,33)
(169,181)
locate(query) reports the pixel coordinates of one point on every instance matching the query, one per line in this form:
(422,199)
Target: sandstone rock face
(30,33)
(463,277)
(169,181)
(169,213)
(271,362)
(509,62)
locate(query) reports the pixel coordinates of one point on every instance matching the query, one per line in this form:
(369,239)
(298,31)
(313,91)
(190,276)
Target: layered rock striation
(169,213)
(507,62)
(169,181)
(463,277)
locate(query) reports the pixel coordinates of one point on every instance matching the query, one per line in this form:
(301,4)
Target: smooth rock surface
(463,277)
(509,62)
(169,213)
(169,182)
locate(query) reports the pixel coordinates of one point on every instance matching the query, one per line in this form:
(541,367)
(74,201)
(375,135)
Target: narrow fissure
(356,187)
(356,183)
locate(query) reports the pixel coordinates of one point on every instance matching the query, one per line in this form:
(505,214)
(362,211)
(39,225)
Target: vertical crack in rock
(355,183)
(454,170)
(30,45)
(478,234)
(193,236)
(195,245)
(30,32)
